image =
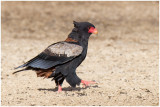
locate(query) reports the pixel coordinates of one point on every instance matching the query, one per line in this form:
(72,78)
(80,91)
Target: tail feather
(27,63)
(21,70)
(21,66)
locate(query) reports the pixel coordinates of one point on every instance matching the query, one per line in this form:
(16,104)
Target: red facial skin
(93,30)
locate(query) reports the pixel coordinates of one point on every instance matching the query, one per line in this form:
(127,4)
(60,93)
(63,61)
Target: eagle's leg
(59,88)
(59,78)
(87,83)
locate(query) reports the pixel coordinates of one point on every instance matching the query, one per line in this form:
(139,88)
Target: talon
(84,85)
(87,83)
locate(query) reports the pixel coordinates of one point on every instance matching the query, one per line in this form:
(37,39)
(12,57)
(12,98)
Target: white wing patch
(64,48)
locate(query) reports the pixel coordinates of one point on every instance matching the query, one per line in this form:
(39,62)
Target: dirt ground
(122,59)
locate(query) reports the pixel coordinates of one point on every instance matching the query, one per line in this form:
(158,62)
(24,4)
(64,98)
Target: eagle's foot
(87,83)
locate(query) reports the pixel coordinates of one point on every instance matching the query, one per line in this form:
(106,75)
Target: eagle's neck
(80,37)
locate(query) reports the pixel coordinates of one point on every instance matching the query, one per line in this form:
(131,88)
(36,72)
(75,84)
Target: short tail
(21,66)
(20,70)
(24,65)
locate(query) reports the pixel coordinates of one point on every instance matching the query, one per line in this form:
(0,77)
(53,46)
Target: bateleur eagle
(60,60)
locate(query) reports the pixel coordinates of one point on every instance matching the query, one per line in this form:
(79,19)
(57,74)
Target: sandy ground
(122,59)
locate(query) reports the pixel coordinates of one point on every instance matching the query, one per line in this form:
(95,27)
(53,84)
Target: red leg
(87,83)
(59,88)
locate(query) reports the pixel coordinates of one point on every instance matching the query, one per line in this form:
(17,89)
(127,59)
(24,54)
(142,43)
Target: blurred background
(53,19)
(123,58)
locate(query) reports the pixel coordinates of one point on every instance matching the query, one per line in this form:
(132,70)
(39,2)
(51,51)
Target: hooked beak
(93,30)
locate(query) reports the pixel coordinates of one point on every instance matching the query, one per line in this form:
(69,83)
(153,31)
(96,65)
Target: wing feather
(55,54)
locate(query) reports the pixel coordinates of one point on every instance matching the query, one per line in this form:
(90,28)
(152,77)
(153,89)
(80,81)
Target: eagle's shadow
(66,88)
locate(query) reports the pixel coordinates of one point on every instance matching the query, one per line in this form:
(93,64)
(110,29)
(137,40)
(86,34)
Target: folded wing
(58,53)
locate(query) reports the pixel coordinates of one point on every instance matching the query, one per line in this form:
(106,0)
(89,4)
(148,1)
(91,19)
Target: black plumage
(60,60)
